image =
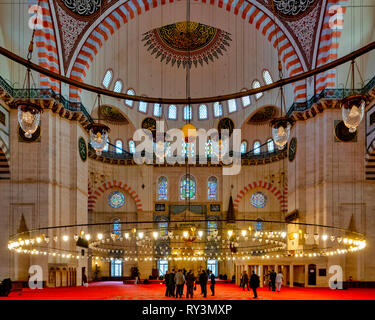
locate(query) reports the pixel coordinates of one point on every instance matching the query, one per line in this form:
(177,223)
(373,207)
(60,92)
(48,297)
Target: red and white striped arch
(94,195)
(329,44)
(281,195)
(130,9)
(45,41)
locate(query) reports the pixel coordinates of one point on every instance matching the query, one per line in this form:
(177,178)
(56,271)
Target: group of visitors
(175,281)
(275,280)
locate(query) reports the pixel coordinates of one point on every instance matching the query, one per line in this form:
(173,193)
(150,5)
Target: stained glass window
(211,227)
(256,85)
(116,199)
(116,268)
(256,149)
(162,188)
(163,267)
(118,86)
(258,199)
(243,147)
(188,149)
(172,112)
(130,92)
(116,227)
(270,145)
(203,113)
(118,146)
(267,77)
(232,105)
(259,225)
(107,79)
(187,113)
(187,188)
(209,148)
(131,146)
(218,109)
(212,188)
(163,228)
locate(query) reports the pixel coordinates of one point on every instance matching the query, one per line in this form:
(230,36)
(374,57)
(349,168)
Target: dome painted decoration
(83,8)
(186,43)
(116,199)
(263,115)
(150,124)
(293,8)
(225,123)
(112,114)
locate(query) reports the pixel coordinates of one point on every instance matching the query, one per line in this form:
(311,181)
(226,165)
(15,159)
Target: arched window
(211,227)
(106,147)
(270,146)
(130,92)
(162,188)
(203,112)
(131,146)
(256,85)
(232,105)
(116,227)
(162,267)
(107,78)
(243,147)
(187,188)
(218,109)
(157,110)
(267,77)
(188,149)
(142,107)
(163,228)
(187,113)
(172,112)
(116,268)
(118,145)
(118,86)
(256,149)
(212,188)
(245,100)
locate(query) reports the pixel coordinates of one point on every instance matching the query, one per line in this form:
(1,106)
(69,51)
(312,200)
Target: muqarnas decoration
(187,43)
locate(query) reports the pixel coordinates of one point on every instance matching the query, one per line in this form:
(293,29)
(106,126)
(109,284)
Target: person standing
(245,281)
(166,281)
(190,279)
(254,284)
(213,282)
(273,280)
(203,278)
(279,281)
(268,277)
(180,281)
(171,284)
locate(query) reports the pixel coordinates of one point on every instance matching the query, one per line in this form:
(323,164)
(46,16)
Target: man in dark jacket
(273,280)
(245,281)
(171,284)
(203,278)
(254,283)
(190,279)
(213,281)
(166,281)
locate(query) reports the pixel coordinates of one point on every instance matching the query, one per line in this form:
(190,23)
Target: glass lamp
(281,131)
(28,117)
(353,109)
(98,136)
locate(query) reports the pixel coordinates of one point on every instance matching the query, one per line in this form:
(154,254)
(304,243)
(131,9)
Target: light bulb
(243,232)
(65,238)
(140,235)
(155,235)
(126,235)
(38,240)
(185,234)
(100,236)
(200,233)
(230,233)
(324,237)
(88,237)
(283,234)
(295,235)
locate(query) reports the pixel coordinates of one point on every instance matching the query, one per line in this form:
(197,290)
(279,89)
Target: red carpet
(119,291)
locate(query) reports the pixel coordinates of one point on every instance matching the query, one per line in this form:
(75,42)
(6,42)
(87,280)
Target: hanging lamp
(28,112)
(353,107)
(281,126)
(98,133)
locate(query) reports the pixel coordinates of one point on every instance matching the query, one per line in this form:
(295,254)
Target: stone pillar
(291,275)
(306,275)
(261,276)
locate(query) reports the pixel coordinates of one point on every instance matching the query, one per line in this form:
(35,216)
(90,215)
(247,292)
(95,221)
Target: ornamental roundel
(225,123)
(293,8)
(82,148)
(116,199)
(186,43)
(83,7)
(258,199)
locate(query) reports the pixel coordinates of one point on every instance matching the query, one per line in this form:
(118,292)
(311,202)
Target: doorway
(312,275)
